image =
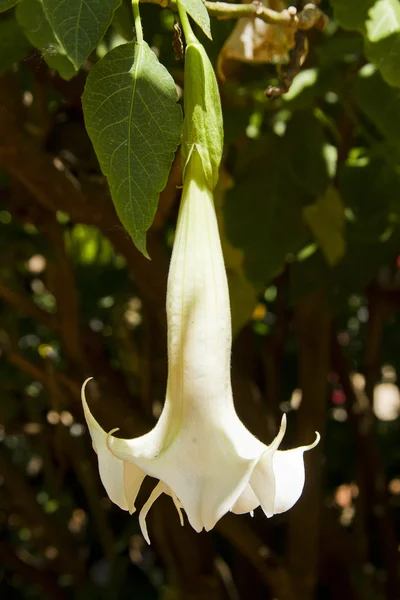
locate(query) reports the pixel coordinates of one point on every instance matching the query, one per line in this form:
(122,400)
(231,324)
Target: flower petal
(201,468)
(246,502)
(121,480)
(289,476)
(160,488)
(133,479)
(262,480)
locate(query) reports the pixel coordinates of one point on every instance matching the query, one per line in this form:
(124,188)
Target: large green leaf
(379,22)
(282,176)
(269,226)
(134,121)
(79,25)
(6,4)
(197,10)
(304,152)
(13,44)
(31,17)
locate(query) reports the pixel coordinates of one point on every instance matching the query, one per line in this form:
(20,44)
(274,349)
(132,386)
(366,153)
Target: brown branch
(311,16)
(379,312)
(250,545)
(312,325)
(64,290)
(297,57)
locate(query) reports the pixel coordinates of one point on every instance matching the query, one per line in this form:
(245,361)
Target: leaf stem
(138,23)
(187,28)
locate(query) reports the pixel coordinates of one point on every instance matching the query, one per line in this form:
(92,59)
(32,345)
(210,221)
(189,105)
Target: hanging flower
(199,450)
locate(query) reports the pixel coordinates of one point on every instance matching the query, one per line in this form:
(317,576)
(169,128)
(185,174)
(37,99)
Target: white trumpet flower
(199,450)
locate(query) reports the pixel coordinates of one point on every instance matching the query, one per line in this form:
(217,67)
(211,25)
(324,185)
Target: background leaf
(13,44)
(326,220)
(134,121)
(379,101)
(79,25)
(379,22)
(270,226)
(31,17)
(6,4)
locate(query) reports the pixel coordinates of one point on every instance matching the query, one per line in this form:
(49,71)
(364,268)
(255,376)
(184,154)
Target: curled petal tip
(282,430)
(83,388)
(315,443)
(156,493)
(178,507)
(143,527)
(108,441)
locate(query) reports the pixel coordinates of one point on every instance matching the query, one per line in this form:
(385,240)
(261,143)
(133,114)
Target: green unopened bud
(202,127)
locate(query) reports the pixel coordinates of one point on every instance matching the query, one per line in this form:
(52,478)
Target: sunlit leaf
(379,22)
(326,220)
(197,10)
(379,101)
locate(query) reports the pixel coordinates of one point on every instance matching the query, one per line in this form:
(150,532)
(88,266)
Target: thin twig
(311,16)
(297,58)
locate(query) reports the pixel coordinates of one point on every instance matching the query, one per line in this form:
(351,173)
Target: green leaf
(134,122)
(197,10)
(263,212)
(379,101)
(305,141)
(326,220)
(79,25)
(379,22)
(243,295)
(6,4)
(31,17)
(13,44)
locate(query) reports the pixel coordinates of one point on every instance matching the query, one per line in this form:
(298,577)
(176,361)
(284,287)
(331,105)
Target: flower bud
(202,127)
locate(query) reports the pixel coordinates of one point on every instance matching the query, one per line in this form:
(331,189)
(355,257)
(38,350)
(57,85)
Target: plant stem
(138,23)
(187,29)
(308,18)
